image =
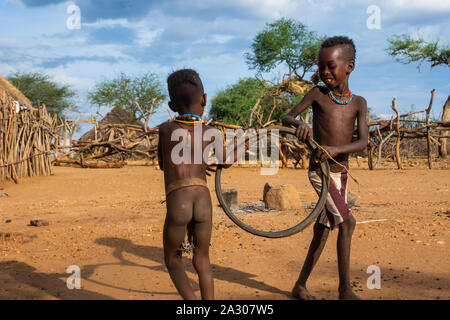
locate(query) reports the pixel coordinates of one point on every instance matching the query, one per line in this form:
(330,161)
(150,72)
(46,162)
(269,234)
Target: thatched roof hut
(117,137)
(115,116)
(6,88)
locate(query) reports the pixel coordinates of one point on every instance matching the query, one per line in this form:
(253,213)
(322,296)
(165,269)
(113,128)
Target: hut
(26,135)
(115,116)
(6,88)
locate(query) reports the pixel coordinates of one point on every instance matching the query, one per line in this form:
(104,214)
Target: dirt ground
(109,223)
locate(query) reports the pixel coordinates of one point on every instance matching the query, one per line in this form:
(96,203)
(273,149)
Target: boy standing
(188,199)
(335,109)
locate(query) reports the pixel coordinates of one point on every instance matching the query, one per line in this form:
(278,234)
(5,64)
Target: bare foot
(348,295)
(301,293)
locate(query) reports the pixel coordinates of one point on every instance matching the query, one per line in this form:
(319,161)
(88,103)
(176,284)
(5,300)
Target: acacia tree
(405,49)
(288,42)
(284,42)
(234,104)
(126,93)
(40,88)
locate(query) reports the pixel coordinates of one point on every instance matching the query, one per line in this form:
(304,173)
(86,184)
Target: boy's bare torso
(334,124)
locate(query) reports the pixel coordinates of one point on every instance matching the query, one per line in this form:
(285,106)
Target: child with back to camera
(188,200)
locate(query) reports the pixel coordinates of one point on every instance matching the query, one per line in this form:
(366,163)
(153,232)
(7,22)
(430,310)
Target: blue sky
(212,37)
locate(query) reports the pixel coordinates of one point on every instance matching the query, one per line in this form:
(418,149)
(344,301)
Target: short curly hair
(349,46)
(184,86)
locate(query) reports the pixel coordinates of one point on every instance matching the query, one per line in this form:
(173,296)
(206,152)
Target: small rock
(8,221)
(36,222)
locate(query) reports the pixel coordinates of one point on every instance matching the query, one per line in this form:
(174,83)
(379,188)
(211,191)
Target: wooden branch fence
(26,138)
(112,144)
(399,128)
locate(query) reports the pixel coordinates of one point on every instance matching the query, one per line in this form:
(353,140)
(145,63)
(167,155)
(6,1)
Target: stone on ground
(281,197)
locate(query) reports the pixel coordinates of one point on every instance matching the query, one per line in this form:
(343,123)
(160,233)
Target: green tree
(405,49)
(234,104)
(124,92)
(40,88)
(285,41)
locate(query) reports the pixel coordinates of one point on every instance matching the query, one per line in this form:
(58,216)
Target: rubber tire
(325,168)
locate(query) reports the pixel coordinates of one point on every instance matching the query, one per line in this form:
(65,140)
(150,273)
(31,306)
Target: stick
(397,127)
(221,124)
(346,170)
(430,163)
(250,120)
(380,146)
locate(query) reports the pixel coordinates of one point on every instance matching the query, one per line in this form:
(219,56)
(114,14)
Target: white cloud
(102,23)
(146,31)
(66,75)
(215,38)
(430,33)
(6,69)
(145,37)
(414,12)
(418,5)
(271,8)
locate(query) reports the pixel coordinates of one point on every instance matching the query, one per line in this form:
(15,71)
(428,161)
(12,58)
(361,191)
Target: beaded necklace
(342,94)
(192,115)
(348,94)
(189,118)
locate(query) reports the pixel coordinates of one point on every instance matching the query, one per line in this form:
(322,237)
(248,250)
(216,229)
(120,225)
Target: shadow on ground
(19,280)
(156,254)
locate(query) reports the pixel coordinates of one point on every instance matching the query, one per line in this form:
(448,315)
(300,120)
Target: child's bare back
(187,195)
(181,170)
(188,200)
